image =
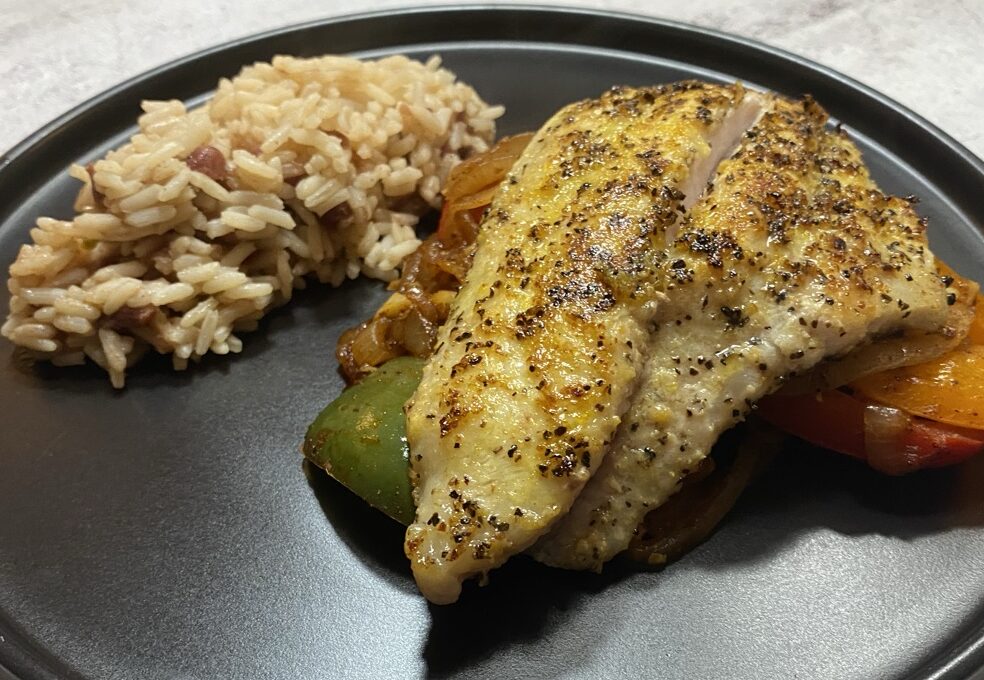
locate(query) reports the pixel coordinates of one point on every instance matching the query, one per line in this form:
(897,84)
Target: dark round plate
(171,531)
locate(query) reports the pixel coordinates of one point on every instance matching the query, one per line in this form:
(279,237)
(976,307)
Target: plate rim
(15,154)
(21,657)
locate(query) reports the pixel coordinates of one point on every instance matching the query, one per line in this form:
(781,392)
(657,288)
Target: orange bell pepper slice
(948,389)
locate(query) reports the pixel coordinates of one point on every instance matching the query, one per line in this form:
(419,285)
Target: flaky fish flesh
(656,261)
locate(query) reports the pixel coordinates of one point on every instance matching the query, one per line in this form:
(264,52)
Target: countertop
(56,54)
(927,55)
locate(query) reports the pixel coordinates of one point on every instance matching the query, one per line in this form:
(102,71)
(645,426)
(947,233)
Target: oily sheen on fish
(546,342)
(658,260)
(793,256)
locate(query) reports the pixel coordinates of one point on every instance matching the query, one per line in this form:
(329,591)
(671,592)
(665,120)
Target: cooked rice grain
(207,218)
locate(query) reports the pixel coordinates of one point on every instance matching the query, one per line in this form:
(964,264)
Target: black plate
(170,530)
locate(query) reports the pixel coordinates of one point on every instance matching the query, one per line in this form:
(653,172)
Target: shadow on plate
(523,599)
(808,488)
(374,537)
(804,489)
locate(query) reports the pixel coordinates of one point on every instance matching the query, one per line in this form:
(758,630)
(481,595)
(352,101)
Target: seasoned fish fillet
(793,256)
(548,338)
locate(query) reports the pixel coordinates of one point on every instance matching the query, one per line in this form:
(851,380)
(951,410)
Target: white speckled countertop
(927,55)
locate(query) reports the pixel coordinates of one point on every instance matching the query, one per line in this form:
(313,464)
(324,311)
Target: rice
(204,221)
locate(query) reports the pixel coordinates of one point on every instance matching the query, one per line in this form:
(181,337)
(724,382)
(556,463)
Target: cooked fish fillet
(547,339)
(793,256)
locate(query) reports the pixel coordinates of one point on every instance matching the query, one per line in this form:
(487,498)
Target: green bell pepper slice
(360,438)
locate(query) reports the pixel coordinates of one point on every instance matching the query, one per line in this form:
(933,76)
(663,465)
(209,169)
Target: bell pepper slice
(835,420)
(948,389)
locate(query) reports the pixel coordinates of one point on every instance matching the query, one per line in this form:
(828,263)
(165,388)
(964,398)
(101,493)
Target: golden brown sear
(656,261)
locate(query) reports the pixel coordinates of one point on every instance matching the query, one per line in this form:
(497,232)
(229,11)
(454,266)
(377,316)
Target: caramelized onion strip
(407,322)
